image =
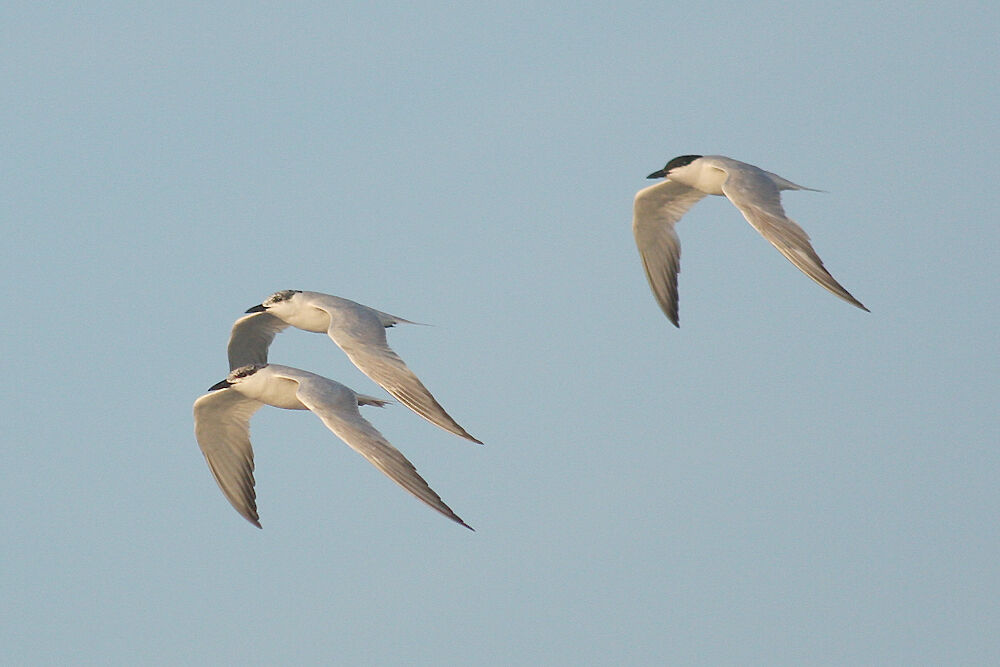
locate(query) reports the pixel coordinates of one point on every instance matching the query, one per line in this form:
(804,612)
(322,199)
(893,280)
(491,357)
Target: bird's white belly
(310,319)
(706,178)
(279,392)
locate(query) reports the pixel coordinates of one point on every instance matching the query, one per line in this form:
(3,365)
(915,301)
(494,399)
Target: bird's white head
(236,376)
(276,300)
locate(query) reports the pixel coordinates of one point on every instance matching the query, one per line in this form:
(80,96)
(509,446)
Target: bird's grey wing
(352,314)
(363,340)
(759,200)
(337,406)
(251,336)
(655,212)
(222,428)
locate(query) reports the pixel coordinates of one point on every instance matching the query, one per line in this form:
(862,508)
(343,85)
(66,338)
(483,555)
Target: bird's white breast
(272,390)
(307,317)
(703,174)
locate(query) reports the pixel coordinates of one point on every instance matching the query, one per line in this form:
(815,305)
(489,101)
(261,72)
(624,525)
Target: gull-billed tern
(755,192)
(222,428)
(357,329)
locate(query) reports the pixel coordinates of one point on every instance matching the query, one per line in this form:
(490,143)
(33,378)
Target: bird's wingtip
(465,434)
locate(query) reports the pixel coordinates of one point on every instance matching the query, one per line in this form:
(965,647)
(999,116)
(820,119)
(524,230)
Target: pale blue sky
(784,480)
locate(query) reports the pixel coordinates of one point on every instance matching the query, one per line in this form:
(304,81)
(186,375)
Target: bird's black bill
(656,174)
(225,384)
(259,308)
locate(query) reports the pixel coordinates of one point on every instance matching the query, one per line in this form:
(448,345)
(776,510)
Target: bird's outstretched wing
(337,406)
(656,210)
(759,200)
(251,337)
(222,428)
(360,333)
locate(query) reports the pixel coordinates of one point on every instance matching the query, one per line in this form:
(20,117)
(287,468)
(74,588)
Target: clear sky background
(784,480)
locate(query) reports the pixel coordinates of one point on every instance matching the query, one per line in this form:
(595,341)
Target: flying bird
(357,329)
(222,428)
(755,192)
